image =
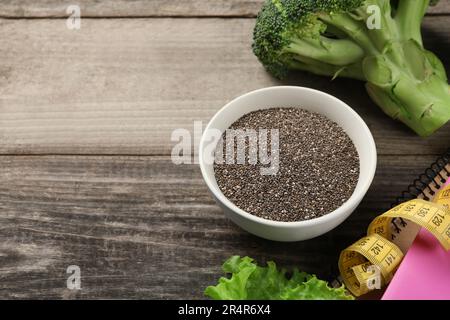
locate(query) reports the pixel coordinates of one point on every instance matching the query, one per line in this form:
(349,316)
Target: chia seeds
(318,168)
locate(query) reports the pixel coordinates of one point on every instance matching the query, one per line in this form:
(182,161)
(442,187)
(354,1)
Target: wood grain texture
(134,8)
(146,8)
(141,227)
(121,86)
(443,7)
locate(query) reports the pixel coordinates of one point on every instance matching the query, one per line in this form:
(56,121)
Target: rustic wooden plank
(144,8)
(141,227)
(136,8)
(101,91)
(443,7)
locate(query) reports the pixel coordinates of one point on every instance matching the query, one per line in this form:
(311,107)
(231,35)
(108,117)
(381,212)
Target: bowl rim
(341,211)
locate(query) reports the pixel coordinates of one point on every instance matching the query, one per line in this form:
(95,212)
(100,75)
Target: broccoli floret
(289,34)
(334,38)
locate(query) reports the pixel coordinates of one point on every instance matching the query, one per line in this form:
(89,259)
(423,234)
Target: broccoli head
(377,41)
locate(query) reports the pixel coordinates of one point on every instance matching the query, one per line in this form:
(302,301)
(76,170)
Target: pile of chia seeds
(318,168)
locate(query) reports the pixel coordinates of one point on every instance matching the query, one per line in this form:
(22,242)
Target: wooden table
(85,139)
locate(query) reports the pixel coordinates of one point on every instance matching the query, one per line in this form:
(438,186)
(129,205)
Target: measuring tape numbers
(371,262)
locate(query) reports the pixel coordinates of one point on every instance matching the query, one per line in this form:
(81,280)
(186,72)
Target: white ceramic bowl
(312,100)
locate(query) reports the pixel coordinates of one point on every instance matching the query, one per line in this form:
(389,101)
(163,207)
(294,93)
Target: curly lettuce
(249,281)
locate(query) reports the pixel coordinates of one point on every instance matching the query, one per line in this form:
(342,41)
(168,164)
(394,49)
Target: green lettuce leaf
(249,281)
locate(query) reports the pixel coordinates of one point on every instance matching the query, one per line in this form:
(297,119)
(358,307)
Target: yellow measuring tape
(371,262)
(443,197)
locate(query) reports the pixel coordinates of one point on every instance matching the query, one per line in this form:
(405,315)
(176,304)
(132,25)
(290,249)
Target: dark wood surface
(85,123)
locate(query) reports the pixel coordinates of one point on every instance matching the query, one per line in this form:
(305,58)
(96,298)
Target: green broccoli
(338,38)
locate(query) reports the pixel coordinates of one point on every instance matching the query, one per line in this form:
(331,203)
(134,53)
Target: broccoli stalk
(332,38)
